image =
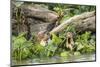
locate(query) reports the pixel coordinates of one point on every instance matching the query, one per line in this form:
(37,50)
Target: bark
(82,22)
(35,19)
(40,14)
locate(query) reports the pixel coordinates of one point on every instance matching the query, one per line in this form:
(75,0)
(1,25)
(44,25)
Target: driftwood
(40,14)
(83,22)
(33,18)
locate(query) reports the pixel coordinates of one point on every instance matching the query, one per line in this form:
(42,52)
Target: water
(57,59)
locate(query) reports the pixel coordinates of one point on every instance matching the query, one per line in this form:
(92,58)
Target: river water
(57,59)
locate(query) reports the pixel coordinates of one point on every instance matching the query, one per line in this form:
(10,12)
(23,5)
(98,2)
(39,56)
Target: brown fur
(69,41)
(42,38)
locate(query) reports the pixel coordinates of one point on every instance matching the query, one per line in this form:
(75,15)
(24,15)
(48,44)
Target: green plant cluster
(84,43)
(23,49)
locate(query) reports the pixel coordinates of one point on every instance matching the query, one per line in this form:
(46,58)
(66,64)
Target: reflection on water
(57,59)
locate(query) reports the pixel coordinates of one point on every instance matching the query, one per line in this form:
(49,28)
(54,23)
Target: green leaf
(65,54)
(80,46)
(77,53)
(56,40)
(51,47)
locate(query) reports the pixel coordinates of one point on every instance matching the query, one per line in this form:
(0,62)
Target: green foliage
(56,40)
(53,45)
(77,53)
(68,11)
(83,43)
(39,50)
(65,54)
(50,49)
(84,37)
(21,47)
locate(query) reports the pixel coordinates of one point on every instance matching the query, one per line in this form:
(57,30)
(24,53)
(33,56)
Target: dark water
(57,59)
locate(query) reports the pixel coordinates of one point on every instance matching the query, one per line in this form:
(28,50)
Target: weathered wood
(86,25)
(35,18)
(83,22)
(40,14)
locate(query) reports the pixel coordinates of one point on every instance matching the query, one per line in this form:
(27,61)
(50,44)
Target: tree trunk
(83,22)
(40,14)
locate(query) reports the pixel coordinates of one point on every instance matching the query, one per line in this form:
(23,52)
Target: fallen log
(82,22)
(32,18)
(86,25)
(40,14)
